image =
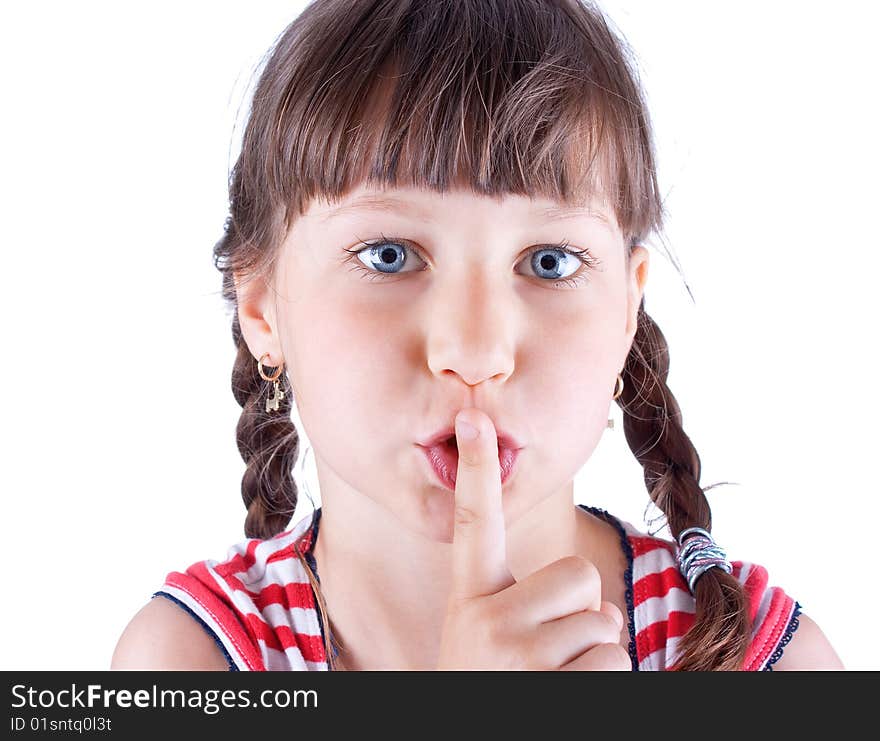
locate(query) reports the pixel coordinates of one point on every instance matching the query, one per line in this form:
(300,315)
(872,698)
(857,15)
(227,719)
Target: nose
(470,331)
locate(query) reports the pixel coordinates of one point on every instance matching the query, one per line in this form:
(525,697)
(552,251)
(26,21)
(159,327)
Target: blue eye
(550,259)
(558,262)
(386,256)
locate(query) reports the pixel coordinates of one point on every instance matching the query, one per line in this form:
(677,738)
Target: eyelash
(589,262)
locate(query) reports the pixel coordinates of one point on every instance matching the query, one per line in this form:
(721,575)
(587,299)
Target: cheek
(346,366)
(355,412)
(573,372)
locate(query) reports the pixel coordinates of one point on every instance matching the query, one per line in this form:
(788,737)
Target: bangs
(525,97)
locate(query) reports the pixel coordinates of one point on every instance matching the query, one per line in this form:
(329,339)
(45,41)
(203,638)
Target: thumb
(479,555)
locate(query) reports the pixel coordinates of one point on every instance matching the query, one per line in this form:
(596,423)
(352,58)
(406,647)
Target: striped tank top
(259,606)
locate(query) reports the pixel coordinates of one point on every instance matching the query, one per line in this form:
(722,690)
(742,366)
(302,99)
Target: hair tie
(697,553)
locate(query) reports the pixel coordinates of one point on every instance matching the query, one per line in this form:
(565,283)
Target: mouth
(442,457)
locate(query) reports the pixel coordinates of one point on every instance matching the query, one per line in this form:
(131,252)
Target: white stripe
(293,617)
(657,609)
(261,573)
(290,659)
(281,573)
(299,619)
(763,609)
(663,659)
(672,650)
(652,661)
(215,627)
(278,573)
(652,562)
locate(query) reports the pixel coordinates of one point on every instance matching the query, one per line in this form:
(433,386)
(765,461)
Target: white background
(119,124)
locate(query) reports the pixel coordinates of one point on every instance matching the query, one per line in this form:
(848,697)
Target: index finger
(479,550)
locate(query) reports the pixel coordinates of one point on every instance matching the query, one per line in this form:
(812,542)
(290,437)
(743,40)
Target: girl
(436,251)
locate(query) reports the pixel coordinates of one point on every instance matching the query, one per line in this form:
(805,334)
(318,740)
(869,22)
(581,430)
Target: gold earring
(277,394)
(617,393)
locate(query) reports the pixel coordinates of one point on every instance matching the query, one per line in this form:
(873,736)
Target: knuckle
(469,458)
(583,570)
(585,578)
(464,516)
(612,657)
(602,657)
(609,626)
(613,611)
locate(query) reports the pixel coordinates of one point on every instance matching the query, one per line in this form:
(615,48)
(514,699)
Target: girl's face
(396,308)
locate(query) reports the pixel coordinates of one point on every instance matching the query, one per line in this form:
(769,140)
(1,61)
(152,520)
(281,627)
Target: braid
(268,443)
(652,424)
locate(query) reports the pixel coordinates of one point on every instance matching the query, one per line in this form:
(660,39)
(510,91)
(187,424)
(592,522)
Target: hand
(552,619)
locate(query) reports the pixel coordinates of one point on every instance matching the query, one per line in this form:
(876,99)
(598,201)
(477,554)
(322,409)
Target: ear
(256,317)
(636,280)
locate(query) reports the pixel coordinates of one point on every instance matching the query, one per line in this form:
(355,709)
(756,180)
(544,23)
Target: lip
(443,460)
(505,439)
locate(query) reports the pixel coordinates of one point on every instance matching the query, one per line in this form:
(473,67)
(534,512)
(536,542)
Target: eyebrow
(396,205)
(558,214)
(377,203)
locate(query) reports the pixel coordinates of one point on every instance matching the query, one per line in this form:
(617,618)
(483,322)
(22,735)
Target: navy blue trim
(309,554)
(232,666)
(627,577)
(786,638)
(310,560)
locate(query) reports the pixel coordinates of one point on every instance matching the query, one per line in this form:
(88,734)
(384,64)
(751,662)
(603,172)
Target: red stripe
(305,541)
(289,551)
(292,594)
(753,577)
(245,629)
(250,557)
(281,637)
(242,563)
(197,583)
(658,584)
(654,637)
(770,631)
(278,637)
(295,594)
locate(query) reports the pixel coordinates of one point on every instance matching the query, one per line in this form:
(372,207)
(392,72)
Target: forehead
(430,206)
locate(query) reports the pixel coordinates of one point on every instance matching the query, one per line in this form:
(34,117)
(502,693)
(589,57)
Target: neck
(386,585)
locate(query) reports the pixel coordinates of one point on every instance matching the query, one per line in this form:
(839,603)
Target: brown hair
(528,97)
